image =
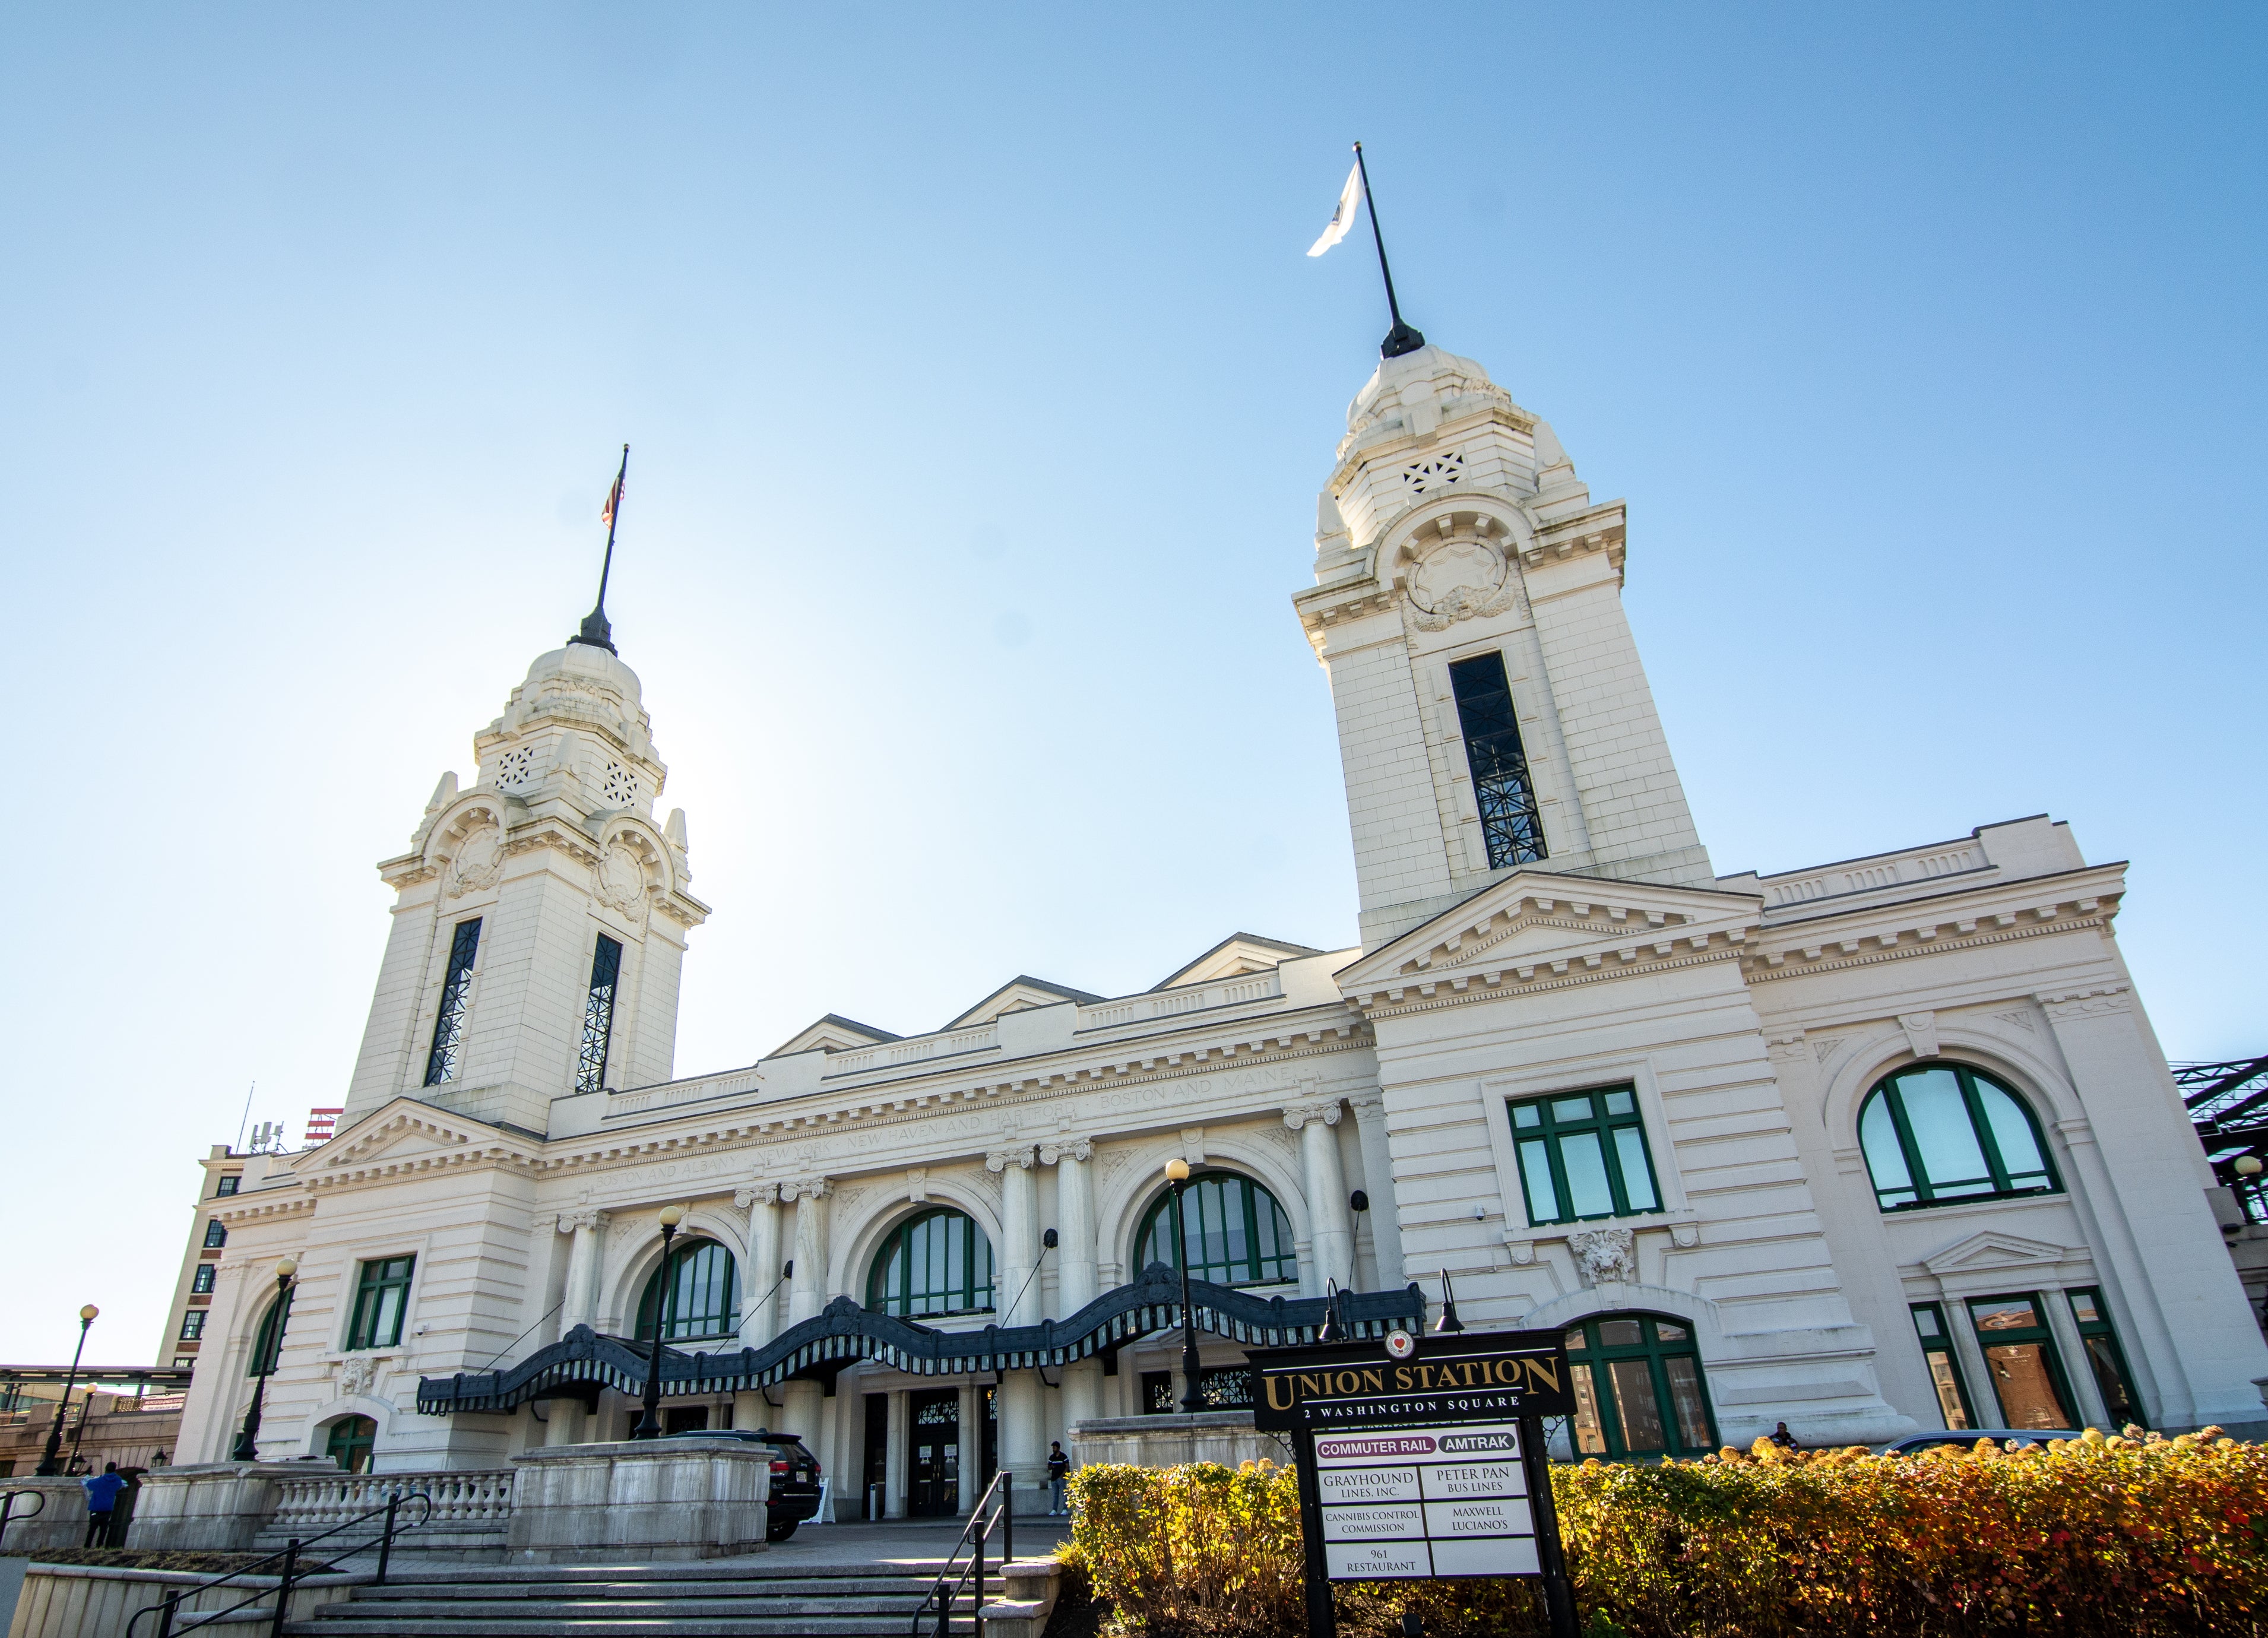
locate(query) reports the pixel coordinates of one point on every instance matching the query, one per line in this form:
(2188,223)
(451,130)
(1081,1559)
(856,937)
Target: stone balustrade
(304,1506)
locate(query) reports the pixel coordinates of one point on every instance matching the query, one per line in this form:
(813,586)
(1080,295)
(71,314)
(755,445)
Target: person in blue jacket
(102,1492)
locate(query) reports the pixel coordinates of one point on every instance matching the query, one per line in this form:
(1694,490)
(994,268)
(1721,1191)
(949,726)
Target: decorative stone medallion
(1461,580)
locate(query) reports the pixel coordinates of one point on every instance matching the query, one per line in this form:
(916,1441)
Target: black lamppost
(51,1464)
(1177,1173)
(649,1424)
(247,1443)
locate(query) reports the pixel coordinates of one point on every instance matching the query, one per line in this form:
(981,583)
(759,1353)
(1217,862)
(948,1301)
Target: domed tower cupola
(540,915)
(1493,715)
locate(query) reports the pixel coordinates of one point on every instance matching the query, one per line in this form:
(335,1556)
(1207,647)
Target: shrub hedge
(2135,1535)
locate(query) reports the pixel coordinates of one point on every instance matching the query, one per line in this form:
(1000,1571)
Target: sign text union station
(1500,1376)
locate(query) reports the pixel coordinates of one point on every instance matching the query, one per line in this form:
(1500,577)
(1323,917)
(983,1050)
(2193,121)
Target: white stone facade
(1747,1017)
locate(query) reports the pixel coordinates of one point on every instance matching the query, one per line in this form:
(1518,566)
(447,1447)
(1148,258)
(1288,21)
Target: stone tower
(1492,712)
(541,916)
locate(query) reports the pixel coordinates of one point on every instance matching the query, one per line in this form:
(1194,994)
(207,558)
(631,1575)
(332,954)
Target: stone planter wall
(1168,1441)
(83,1601)
(219,1505)
(639,1501)
(58,1519)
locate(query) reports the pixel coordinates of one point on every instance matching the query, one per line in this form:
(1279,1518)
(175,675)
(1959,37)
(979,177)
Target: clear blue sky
(980,391)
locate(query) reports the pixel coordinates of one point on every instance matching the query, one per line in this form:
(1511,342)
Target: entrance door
(934,1461)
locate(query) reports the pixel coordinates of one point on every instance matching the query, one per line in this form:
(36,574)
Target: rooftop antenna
(596,632)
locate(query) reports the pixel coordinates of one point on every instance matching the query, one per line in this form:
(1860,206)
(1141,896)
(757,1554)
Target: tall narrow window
(215,1234)
(2020,1358)
(381,1298)
(201,1282)
(598,1016)
(1944,1373)
(192,1324)
(1583,1155)
(1501,788)
(456,989)
(2104,1356)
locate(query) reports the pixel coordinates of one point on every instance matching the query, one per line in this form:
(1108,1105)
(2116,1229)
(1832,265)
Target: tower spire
(1400,339)
(596,631)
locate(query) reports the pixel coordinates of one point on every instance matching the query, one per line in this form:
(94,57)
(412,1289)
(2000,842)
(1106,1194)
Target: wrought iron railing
(167,1609)
(995,1512)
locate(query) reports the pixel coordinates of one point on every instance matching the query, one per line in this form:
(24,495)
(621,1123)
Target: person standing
(102,1490)
(1058,1477)
(1782,1438)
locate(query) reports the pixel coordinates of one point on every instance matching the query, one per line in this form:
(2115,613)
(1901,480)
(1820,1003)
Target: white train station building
(1883,1145)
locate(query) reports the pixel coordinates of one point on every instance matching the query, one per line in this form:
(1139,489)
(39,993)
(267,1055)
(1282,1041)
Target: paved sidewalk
(906,1543)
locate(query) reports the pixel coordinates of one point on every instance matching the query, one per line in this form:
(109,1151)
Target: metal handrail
(1000,1496)
(166,1608)
(8,1508)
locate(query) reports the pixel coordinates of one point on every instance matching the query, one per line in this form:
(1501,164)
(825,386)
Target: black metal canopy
(584,1361)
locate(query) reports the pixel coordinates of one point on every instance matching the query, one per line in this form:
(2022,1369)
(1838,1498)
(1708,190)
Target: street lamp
(1177,1173)
(650,1425)
(51,1464)
(247,1443)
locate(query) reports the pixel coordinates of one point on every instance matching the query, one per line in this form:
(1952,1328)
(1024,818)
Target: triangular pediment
(409,1133)
(1017,994)
(832,1033)
(1540,922)
(1995,1248)
(1234,956)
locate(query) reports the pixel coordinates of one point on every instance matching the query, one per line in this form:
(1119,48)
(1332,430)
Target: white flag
(1342,218)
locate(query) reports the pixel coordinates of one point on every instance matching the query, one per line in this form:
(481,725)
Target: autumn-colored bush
(2133,1535)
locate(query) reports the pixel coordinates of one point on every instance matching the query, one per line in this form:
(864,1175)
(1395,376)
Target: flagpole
(597,631)
(1400,339)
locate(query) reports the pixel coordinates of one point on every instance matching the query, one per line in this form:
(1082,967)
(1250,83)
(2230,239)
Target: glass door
(933,1461)
(1638,1389)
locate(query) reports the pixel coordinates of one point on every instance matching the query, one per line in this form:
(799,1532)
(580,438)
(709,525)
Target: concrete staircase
(711,1598)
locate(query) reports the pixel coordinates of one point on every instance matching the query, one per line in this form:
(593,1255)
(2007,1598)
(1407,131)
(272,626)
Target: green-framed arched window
(349,1444)
(268,1340)
(935,1262)
(1638,1389)
(1935,1133)
(703,1288)
(1233,1231)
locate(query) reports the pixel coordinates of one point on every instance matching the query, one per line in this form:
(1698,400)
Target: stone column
(972,1444)
(580,1301)
(760,1295)
(1378,1183)
(807,1287)
(1022,1441)
(1331,1223)
(803,1401)
(1076,1254)
(566,1424)
(897,1464)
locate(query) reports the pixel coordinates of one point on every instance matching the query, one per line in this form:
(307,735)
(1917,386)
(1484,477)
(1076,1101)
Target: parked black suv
(795,1476)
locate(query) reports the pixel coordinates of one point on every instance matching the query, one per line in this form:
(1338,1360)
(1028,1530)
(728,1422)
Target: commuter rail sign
(1422,1459)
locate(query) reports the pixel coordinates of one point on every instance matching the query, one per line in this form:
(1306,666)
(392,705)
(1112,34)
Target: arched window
(1935,1133)
(935,1262)
(1232,1230)
(349,1444)
(1638,1389)
(268,1340)
(704,1295)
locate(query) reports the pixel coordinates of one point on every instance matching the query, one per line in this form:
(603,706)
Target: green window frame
(268,1341)
(2104,1357)
(937,1261)
(704,1285)
(349,1444)
(1641,1392)
(1952,1402)
(193,1325)
(200,1282)
(382,1300)
(215,1234)
(1233,1231)
(1583,1156)
(2021,1361)
(1938,1133)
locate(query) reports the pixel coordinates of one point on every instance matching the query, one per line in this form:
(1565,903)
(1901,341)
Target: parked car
(1967,1437)
(795,1476)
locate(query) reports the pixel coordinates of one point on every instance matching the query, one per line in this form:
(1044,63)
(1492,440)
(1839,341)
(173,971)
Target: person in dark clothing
(102,1491)
(1059,1477)
(1783,1438)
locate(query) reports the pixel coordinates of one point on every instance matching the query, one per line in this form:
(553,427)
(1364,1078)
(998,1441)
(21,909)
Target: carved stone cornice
(2065,1006)
(756,1195)
(806,1188)
(1054,1150)
(1001,1159)
(1930,926)
(1324,1109)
